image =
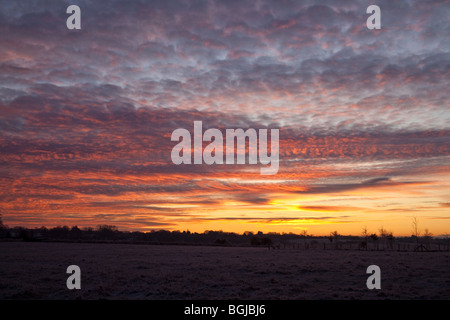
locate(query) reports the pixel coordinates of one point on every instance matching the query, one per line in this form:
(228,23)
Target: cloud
(86,116)
(221,56)
(277,220)
(344,187)
(327,208)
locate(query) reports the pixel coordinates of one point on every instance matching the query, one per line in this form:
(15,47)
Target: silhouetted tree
(386,237)
(221,242)
(260,241)
(365,236)
(4,232)
(107,231)
(75,232)
(390,237)
(415,229)
(374,237)
(265,241)
(427,236)
(24,234)
(254,241)
(334,236)
(304,235)
(59,232)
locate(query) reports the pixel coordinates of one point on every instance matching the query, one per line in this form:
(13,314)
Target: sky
(86,116)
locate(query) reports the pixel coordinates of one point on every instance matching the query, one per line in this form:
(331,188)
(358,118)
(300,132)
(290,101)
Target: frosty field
(127,271)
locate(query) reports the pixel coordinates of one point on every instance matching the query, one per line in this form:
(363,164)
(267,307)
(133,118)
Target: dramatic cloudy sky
(86,116)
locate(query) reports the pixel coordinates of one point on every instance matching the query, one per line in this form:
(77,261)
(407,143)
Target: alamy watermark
(374,280)
(74,280)
(235,139)
(73,22)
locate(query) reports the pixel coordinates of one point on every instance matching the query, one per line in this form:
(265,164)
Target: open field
(122,271)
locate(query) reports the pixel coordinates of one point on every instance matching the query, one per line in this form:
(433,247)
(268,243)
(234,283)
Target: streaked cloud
(86,116)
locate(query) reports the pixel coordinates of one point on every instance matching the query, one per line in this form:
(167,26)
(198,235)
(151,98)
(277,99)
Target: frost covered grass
(126,271)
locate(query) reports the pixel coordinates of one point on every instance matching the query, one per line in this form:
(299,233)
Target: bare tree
(427,236)
(365,236)
(386,237)
(365,232)
(390,238)
(304,235)
(334,236)
(374,237)
(383,235)
(415,229)
(416,234)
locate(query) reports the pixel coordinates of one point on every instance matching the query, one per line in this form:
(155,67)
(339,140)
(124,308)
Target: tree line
(109,233)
